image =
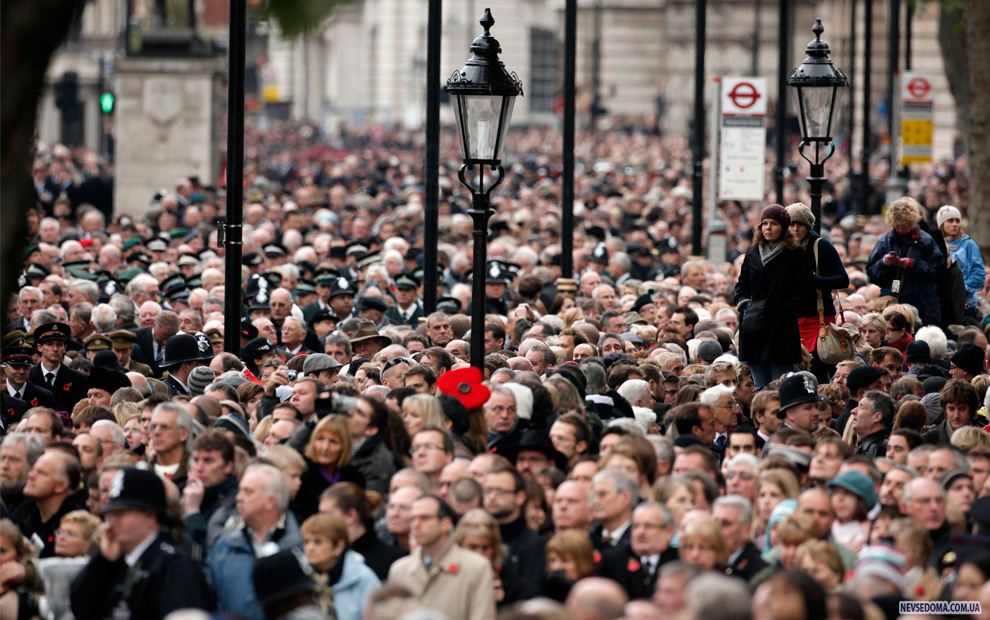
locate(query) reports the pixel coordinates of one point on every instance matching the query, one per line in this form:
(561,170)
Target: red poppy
(465,385)
(34,402)
(596,557)
(66,387)
(633,566)
(453,569)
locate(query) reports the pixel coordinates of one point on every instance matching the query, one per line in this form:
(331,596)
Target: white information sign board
(743,137)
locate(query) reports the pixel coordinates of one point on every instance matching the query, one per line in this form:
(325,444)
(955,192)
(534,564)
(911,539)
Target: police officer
(183,352)
(408,308)
(138,572)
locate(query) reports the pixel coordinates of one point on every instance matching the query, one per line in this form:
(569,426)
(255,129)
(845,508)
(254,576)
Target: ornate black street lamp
(817,81)
(482,94)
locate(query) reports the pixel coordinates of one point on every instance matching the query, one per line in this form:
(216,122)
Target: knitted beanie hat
(778,213)
(800,213)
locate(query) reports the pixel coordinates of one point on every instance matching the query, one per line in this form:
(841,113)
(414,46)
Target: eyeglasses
(395,361)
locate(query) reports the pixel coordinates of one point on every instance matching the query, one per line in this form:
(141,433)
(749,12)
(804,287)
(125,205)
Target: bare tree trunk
(978,144)
(30,32)
(952,42)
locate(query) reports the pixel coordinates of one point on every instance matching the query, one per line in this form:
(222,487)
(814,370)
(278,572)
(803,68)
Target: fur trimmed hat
(801,214)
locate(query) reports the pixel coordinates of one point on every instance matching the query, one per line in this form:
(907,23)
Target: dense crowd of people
(797,432)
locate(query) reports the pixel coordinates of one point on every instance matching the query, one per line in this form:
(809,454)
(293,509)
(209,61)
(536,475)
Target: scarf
(770,251)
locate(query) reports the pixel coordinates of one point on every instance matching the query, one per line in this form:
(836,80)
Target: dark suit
(35,395)
(395,317)
(70,386)
(17,324)
(598,540)
(749,562)
(144,352)
(164,580)
(11,410)
(625,567)
(28,518)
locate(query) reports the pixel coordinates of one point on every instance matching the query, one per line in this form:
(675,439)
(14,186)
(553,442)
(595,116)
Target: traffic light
(107,101)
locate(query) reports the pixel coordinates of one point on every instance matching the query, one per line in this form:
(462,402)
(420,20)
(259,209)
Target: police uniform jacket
(162,581)
(459,583)
(70,386)
(175,388)
(395,317)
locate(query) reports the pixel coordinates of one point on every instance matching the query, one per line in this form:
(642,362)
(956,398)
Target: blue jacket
(919,284)
(351,592)
(966,254)
(230,563)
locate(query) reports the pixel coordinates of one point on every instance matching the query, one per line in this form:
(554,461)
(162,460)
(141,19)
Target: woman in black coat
(774,279)
(829,274)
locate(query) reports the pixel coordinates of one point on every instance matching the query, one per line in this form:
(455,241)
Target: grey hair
(275,482)
(677,567)
(183,420)
(936,340)
(83,311)
(595,374)
(667,516)
(87,289)
(959,460)
(710,396)
(691,264)
(906,495)
(33,445)
(30,289)
(629,425)
(621,482)
(634,390)
(116,432)
(664,448)
(124,307)
(746,459)
(141,283)
(740,503)
(104,318)
(711,595)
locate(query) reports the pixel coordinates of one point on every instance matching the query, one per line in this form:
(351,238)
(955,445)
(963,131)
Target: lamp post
(817,81)
(482,93)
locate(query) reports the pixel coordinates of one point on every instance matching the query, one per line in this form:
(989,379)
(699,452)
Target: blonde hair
(576,546)
(285,457)
(335,425)
(429,408)
(823,553)
(477,521)
(87,522)
(904,210)
(708,531)
(970,437)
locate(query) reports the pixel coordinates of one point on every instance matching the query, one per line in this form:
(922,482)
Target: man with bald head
(572,506)
(596,598)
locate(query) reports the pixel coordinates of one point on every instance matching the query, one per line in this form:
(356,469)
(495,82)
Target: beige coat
(460,583)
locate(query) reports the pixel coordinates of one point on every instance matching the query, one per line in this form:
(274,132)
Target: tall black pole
(480,213)
(567,183)
(754,61)
(698,140)
(851,73)
(235,179)
(867,69)
(431,210)
(780,135)
(893,66)
(596,66)
(908,35)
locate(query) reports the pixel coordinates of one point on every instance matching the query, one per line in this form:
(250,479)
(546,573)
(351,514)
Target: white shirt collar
(132,557)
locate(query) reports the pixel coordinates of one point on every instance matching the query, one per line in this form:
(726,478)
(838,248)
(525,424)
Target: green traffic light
(106,102)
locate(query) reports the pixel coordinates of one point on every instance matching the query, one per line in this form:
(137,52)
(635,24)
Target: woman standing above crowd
(964,252)
(906,262)
(829,274)
(773,283)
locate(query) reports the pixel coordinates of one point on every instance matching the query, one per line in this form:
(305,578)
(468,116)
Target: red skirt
(809,326)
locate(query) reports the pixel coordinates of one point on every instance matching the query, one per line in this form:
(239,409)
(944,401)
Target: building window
(544,52)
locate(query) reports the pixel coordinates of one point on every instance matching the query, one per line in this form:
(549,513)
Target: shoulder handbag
(754,319)
(835,343)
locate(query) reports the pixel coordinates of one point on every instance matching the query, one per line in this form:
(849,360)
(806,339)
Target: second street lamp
(817,81)
(482,94)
